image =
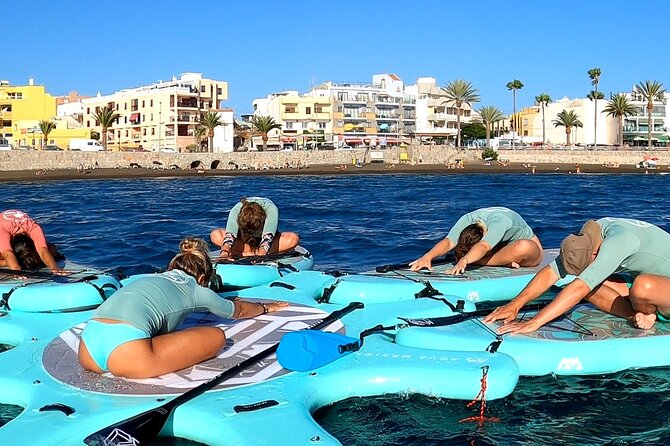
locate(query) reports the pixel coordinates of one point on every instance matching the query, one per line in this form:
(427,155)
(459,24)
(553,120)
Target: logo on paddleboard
(119,438)
(570,364)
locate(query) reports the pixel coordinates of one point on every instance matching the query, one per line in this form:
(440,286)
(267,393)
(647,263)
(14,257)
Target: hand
(276,306)
(224,255)
(459,268)
(507,313)
(519,327)
(421,263)
(60,271)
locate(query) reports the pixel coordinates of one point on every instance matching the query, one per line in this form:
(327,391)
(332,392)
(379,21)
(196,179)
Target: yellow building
(21,110)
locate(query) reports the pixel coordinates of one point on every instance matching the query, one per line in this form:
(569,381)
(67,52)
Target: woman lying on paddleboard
(601,249)
(494,236)
(132,334)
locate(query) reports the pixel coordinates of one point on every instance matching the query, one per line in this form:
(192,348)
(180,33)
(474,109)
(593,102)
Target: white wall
(223,134)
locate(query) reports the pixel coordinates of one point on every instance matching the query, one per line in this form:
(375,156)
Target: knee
(217,340)
(216,236)
(641,289)
(294,239)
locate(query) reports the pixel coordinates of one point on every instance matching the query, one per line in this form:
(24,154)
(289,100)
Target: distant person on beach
(597,255)
(494,236)
(23,245)
(133,333)
(252,230)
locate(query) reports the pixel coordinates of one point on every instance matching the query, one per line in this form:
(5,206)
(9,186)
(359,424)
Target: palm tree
(490,115)
(543,100)
(210,121)
(650,91)
(567,119)
(263,125)
(198,133)
(46,127)
(619,107)
(514,85)
(105,118)
(594,75)
(460,92)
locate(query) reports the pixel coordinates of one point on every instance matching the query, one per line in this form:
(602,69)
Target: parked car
(326,147)
(52,147)
(85,145)
(345,147)
(168,150)
(5,146)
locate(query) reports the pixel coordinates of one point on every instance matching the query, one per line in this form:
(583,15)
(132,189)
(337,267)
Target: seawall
(17,160)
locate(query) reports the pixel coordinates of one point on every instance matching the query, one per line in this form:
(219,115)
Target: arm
(441,248)
(270,226)
(245,309)
(11,260)
(478,251)
(48,259)
(540,283)
(570,296)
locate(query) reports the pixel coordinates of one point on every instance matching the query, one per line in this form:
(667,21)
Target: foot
(644,321)
(514,265)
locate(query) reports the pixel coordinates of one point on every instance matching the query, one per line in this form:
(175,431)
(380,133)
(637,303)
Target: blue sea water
(355,223)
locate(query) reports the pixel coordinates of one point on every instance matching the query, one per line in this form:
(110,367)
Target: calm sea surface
(356,223)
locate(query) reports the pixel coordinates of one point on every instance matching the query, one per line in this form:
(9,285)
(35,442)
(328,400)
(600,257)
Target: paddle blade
(139,430)
(308,350)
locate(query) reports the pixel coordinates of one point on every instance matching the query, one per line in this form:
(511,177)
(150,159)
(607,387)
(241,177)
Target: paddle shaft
(394,266)
(460,317)
(249,260)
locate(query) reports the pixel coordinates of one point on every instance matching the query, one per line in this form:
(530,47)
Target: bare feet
(644,321)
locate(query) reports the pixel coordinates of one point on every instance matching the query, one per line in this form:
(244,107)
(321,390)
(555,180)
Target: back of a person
(517,228)
(651,244)
(152,303)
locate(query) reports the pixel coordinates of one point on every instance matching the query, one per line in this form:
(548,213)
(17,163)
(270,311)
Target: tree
(198,133)
(105,118)
(567,119)
(263,125)
(594,75)
(514,85)
(46,127)
(619,107)
(460,92)
(543,100)
(210,121)
(489,116)
(650,91)
(473,130)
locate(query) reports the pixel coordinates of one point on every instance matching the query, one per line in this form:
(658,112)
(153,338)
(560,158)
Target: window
(142,103)
(203,89)
(308,110)
(117,107)
(219,90)
(88,110)
(144,132)
(153,131)
(88,123)
(288,125)
(125,107)
(152,116)
(126,133)
(151,103)
(321,125)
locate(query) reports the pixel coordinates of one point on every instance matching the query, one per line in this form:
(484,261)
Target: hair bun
(193,245)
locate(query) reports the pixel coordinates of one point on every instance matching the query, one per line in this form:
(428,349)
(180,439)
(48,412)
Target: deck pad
(246,338)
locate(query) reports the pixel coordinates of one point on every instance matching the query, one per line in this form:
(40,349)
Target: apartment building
(21,110)
(305,120)
(635,128)
(160,115)
(436,118)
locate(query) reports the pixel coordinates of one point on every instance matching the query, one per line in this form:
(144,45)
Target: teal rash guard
(502,225)
(629,246)
(157,304)
(271,217)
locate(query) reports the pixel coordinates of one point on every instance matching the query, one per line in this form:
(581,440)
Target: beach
(342,169)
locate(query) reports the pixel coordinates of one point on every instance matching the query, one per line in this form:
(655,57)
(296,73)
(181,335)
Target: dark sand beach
(72,174)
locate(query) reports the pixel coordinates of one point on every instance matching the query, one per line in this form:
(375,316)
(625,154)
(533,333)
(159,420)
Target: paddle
(141,429)
(39,274)
(394,266)
(304,351)
(250,260)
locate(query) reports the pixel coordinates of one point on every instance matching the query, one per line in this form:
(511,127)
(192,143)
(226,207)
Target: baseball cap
(577,249)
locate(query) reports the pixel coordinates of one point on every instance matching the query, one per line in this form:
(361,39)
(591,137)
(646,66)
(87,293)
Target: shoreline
(322,169)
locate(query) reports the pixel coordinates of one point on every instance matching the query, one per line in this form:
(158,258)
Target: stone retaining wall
(28,160)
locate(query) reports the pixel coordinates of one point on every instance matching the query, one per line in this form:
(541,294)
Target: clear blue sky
(262,46)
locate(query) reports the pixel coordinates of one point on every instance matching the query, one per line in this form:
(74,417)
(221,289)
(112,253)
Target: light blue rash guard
(629,246)
(502,225)
(271,217)
(157,304)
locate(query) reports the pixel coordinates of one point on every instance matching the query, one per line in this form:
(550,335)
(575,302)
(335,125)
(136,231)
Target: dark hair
(469,237)
(193,259)
(25,251)
(250,220)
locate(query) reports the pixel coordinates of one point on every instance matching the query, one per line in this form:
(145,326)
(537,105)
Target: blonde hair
(193,258)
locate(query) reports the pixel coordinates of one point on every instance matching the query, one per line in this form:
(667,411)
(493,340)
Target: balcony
(187,103)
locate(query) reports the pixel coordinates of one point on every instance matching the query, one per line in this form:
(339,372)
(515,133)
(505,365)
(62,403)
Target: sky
(260,47)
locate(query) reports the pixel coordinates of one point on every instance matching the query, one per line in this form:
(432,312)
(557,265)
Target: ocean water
(355,223)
